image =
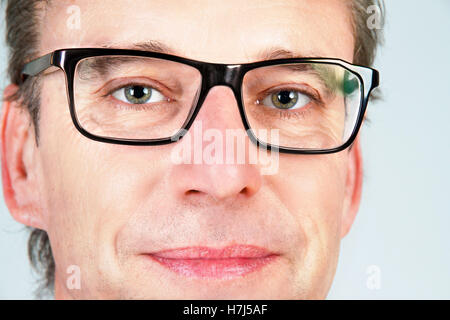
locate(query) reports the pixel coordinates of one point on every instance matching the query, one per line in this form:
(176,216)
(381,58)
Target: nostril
(192,191)
(245,190)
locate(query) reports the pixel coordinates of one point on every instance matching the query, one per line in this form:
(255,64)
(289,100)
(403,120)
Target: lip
(220,263)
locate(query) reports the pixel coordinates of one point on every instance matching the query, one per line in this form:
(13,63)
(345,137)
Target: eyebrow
(150,45)
(101,66)
(276,53)
(270,53)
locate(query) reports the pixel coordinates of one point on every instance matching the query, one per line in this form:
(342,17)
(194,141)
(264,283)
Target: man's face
(108,207)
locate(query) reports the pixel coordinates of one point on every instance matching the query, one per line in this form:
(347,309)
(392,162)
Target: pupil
(138,91)
(285,96)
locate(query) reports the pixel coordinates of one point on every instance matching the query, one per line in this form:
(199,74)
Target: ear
(353,187)
(18,157)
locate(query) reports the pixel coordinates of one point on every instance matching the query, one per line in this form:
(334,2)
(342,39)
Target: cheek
(312,189)
(313,186)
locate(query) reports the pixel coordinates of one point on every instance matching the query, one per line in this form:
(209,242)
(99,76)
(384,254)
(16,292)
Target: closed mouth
(205,262)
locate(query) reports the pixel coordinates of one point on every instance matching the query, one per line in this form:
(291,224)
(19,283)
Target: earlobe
(353,187)
(18,179)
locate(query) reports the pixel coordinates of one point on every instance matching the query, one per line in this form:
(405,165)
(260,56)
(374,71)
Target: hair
(23,21)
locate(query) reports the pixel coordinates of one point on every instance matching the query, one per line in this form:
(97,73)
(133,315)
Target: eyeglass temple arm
(375,78)
(37,66)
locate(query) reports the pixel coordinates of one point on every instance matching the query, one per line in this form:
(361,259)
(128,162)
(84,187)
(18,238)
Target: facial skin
(104,205)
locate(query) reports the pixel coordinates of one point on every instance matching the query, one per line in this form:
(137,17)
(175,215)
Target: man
(91,142)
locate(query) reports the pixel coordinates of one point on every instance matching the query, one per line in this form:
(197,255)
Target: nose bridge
(222,74)
(216,75)
(219,109)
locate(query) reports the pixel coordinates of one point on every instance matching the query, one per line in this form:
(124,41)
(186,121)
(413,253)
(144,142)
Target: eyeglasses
(133,97)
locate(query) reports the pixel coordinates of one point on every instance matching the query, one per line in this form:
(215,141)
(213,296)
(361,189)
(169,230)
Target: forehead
(232,31)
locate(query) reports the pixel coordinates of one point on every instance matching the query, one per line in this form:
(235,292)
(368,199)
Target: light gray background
(404,220)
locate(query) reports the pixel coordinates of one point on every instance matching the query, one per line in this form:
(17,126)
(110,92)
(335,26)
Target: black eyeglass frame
(213,74)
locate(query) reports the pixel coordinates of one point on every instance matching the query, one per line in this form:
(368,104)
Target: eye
(286,99)
(138,94)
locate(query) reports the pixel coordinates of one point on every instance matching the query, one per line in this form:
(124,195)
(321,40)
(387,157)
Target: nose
(218,166)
